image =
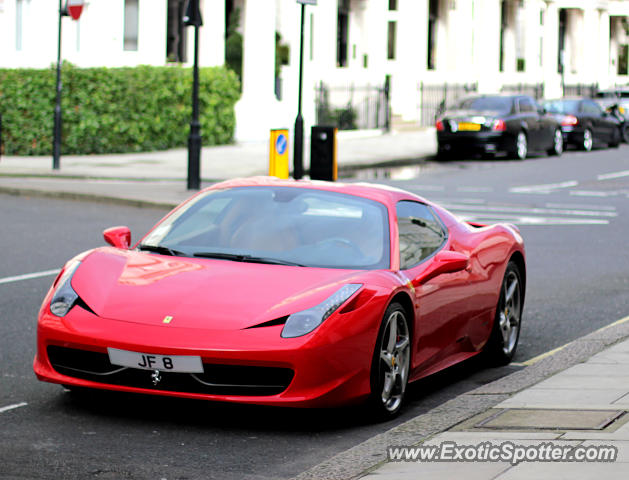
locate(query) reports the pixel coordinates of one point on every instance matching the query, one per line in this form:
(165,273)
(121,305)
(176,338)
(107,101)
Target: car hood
(199,293)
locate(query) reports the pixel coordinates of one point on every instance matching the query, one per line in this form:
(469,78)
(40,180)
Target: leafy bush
(114,110)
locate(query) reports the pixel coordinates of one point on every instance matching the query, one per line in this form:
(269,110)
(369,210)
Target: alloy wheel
(521,146)
(588,141)
(558,143)
(509,315)
(394,360)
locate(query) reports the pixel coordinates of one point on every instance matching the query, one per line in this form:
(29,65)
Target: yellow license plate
(469,127)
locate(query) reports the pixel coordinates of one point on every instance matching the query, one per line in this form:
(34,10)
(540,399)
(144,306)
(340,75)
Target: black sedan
(584,123)
(491,124)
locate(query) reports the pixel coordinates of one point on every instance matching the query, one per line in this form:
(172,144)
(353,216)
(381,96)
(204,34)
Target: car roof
(382,193)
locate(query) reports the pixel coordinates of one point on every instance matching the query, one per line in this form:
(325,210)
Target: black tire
(616,138)
(557,149)
(520,147)
(503,340)
(588,140)
(625,132)
(390,364)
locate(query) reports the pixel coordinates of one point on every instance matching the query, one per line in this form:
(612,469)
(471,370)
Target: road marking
(532,210)
(475,189)
(580,206)
(543,189)
(29,276)
(12,407)
(609,176)
(529,220)
(536,359)
(430,188)
(593,193)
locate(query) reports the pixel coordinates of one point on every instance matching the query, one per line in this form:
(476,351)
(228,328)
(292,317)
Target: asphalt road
(573,221)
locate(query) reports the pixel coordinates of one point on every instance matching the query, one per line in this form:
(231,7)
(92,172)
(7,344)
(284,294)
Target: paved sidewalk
(159,178)
(355,149)
(585,406)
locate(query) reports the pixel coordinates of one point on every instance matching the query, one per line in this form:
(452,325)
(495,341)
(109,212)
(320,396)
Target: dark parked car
(584,123)
(491,124)
(616,102)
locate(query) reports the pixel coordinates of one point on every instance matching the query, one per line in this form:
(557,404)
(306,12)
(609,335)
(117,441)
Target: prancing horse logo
(156,377)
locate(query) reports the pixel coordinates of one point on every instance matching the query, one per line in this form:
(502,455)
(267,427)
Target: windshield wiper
(238,257)
(161,249)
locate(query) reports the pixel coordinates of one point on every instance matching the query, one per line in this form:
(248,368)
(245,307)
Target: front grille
(216,379)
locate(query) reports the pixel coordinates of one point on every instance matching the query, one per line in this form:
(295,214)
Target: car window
(591,108)
(562,106)
(306,226)
(420,233)
(527,105)
(485,104)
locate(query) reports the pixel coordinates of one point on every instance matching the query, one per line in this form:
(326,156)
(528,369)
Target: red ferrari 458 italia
(281,292)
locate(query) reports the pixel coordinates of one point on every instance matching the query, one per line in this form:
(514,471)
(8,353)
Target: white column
(602,52)
(257,108)
(552,79)
(487,45)
(211,34)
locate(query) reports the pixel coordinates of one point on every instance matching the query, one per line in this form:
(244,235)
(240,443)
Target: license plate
(151,361)
(469,127)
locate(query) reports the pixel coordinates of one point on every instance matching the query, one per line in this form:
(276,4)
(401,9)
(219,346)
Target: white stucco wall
(467,50)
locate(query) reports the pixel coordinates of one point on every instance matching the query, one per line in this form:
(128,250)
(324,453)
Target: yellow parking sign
(278,157)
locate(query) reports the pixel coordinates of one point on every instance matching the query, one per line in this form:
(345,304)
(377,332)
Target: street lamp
(73,8)
(193,18)
(298,152)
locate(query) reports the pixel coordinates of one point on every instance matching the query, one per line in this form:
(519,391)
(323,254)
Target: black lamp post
(193,18)
(298,152)
(73,8)
(56,134)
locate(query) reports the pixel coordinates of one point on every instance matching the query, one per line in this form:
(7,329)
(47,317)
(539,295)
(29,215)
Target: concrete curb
(371,454)
(33,192)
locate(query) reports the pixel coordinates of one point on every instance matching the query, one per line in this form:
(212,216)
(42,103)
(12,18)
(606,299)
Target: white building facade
(487,44)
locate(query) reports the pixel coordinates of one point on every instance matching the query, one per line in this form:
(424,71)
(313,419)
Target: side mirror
(445,261)
(119,237)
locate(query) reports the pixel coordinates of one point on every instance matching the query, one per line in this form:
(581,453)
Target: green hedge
(114,110)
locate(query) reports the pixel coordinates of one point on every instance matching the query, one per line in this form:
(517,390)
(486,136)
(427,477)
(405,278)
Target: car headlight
(306,321)
(64,297)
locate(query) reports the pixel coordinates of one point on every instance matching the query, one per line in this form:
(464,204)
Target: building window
(391,41)
(19,6)
(176,50)
(311,36)
(392,4)
(623,58)
(131,25)
(342,33)
(504,21)
(433,15)
(520,32)
(561,58)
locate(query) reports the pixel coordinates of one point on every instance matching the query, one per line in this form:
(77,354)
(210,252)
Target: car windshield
(562,106)
(484,104)
(278,225)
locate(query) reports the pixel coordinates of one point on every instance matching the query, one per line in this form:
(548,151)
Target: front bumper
(328,367)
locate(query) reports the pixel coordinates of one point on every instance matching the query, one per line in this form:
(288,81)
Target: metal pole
(56,134)
(194,140)
(298,152)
